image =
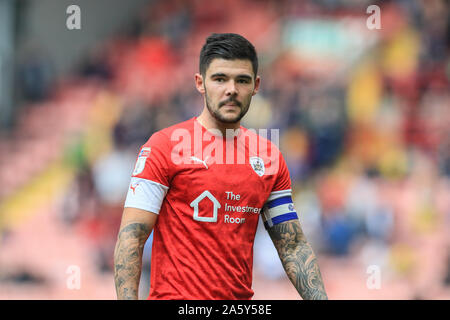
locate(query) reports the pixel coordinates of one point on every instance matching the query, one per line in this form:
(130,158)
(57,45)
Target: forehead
(230,67)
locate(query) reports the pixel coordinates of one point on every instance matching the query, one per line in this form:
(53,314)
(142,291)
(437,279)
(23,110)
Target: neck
(209,122)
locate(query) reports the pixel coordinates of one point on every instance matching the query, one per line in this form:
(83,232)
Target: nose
(231,89)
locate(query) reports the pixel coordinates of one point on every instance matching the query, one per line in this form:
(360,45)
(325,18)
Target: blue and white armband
(279,208)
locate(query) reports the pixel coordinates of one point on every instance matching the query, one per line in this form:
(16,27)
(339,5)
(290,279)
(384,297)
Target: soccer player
(201,186)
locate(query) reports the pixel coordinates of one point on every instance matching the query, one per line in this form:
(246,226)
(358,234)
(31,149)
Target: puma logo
(134,187)
(200,160)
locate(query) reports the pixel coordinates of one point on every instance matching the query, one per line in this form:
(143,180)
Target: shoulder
(163,137)
(267,139)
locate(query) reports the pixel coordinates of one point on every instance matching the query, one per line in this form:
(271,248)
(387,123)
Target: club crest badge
(258,165)
(140,163)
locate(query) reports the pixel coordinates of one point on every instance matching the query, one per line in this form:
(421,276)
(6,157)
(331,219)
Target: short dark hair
(228,46)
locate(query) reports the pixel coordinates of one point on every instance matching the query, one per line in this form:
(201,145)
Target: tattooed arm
(298,259)
(135,229)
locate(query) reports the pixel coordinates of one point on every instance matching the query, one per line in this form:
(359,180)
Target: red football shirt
(208,191)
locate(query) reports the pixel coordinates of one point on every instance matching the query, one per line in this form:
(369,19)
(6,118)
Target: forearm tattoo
(128,259)
(298,259)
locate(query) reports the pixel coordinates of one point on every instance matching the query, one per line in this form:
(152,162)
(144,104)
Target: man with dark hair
(227,46)
(201,185)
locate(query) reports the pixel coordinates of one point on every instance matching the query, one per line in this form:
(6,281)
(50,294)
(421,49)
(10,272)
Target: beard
(215,111)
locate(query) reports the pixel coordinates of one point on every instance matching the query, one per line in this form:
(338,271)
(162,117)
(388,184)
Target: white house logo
(195,205)
(258,165)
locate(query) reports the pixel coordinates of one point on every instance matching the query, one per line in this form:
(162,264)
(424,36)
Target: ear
(199,83)
(257,83)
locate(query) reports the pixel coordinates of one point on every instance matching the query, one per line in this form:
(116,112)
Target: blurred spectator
(97,65)
(338,234)
(113,187)
(35,74)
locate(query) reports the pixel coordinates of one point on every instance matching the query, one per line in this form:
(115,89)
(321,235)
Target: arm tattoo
(128,259)
(298,259)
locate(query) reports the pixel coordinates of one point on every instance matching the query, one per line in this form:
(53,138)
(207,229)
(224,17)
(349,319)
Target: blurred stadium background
(364,118)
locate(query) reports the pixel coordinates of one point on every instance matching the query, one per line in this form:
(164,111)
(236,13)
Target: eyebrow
(242,76)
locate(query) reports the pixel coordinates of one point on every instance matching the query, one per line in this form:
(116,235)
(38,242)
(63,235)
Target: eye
(243,81)
(219,79)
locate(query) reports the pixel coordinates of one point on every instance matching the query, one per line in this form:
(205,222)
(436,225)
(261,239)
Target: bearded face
(229,86)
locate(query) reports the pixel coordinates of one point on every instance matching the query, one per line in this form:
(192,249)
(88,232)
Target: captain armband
(278,210)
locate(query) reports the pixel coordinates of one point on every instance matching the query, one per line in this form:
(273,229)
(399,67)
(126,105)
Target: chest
(237,184)
(224,183)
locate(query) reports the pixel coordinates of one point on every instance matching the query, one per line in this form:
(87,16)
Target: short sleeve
(283,180)
(151,175)
(279,206)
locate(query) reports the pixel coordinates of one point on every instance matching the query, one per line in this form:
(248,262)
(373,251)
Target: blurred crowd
(365,128)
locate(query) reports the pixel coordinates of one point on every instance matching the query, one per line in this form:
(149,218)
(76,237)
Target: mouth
(231,104)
